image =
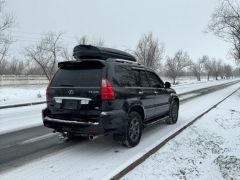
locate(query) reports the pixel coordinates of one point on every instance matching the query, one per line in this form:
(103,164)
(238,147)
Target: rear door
(75,91)
(132,82)
(147,95)
(161,94)
(125,81)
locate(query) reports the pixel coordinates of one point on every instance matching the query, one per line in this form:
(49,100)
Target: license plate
(70,104)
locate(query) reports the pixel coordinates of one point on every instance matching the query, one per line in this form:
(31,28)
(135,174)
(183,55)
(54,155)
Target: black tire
(133,131)
(173,113)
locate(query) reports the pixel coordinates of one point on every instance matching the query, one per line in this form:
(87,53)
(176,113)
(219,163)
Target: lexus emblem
(70,92)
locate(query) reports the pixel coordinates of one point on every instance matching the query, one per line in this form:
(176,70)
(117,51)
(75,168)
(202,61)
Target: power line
(39,34)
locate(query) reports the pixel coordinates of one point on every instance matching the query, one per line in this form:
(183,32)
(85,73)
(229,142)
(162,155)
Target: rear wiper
(66,85)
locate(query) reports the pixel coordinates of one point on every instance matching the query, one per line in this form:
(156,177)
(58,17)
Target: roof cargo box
(93,52)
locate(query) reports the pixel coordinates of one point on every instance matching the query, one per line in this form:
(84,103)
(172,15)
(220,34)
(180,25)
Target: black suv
(105,91)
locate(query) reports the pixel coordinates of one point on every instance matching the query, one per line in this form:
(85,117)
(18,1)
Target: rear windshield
(77,77)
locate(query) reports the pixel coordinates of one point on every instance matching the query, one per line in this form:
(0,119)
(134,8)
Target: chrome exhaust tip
(92,137)
(62,135)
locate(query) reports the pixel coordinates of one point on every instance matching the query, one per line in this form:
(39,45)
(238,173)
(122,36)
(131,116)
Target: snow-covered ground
(209,149)
(103,157)
(34,93)
(22,94)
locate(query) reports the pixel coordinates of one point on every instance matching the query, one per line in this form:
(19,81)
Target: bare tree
(85,40)
(67,55)
(225,23)
(15,67)
(175,66)
(214,68)
(236,72)
(217,70)
(3,66)
(198,67)
(7,21)
(149,51)
(221,72)
(3,53)
(228,71)
(12,67)
(33,70)
(207,66)
(46,53)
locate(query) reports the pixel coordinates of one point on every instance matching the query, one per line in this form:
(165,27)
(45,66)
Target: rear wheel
(133,131)
(173,113)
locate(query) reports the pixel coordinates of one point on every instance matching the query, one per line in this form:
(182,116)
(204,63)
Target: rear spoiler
(94,52)
(88,63)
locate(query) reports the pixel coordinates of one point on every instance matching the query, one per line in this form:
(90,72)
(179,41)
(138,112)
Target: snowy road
(103,157)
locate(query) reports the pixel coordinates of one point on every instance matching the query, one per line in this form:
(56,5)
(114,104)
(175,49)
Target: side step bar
(156,122)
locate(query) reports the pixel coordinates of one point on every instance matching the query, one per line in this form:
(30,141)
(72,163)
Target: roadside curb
(23,104)
(145,156)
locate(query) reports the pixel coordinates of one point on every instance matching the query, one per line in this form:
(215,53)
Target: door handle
(155,92)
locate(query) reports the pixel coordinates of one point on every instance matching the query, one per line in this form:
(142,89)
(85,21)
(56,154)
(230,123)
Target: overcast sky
(179,24)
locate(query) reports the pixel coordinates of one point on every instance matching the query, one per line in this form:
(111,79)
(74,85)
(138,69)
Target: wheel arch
(174,97)
(138,108)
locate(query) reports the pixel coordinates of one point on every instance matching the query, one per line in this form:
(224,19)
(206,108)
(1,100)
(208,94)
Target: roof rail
(90,52)
(124,61)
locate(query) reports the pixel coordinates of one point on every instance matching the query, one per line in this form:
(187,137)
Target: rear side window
(77,77)
(125,76)
(154,80)
(143,79)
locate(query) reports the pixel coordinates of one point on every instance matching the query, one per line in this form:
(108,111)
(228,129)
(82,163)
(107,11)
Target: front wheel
(133,131)
(173,112)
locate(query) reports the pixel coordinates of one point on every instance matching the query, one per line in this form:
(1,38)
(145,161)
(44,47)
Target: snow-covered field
(21,94)
(209,149)
(34,93)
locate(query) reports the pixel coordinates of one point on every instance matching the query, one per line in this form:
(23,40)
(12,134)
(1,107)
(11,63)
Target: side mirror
(167,85)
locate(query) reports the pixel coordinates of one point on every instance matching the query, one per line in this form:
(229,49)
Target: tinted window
(143,79)
(154,80)
(77,77)
(125,76)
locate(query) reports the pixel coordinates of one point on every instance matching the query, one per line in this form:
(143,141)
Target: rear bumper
(108,122)
(70,122)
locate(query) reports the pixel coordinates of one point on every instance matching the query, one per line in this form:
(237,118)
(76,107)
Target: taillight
(48,88)
(107,91)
